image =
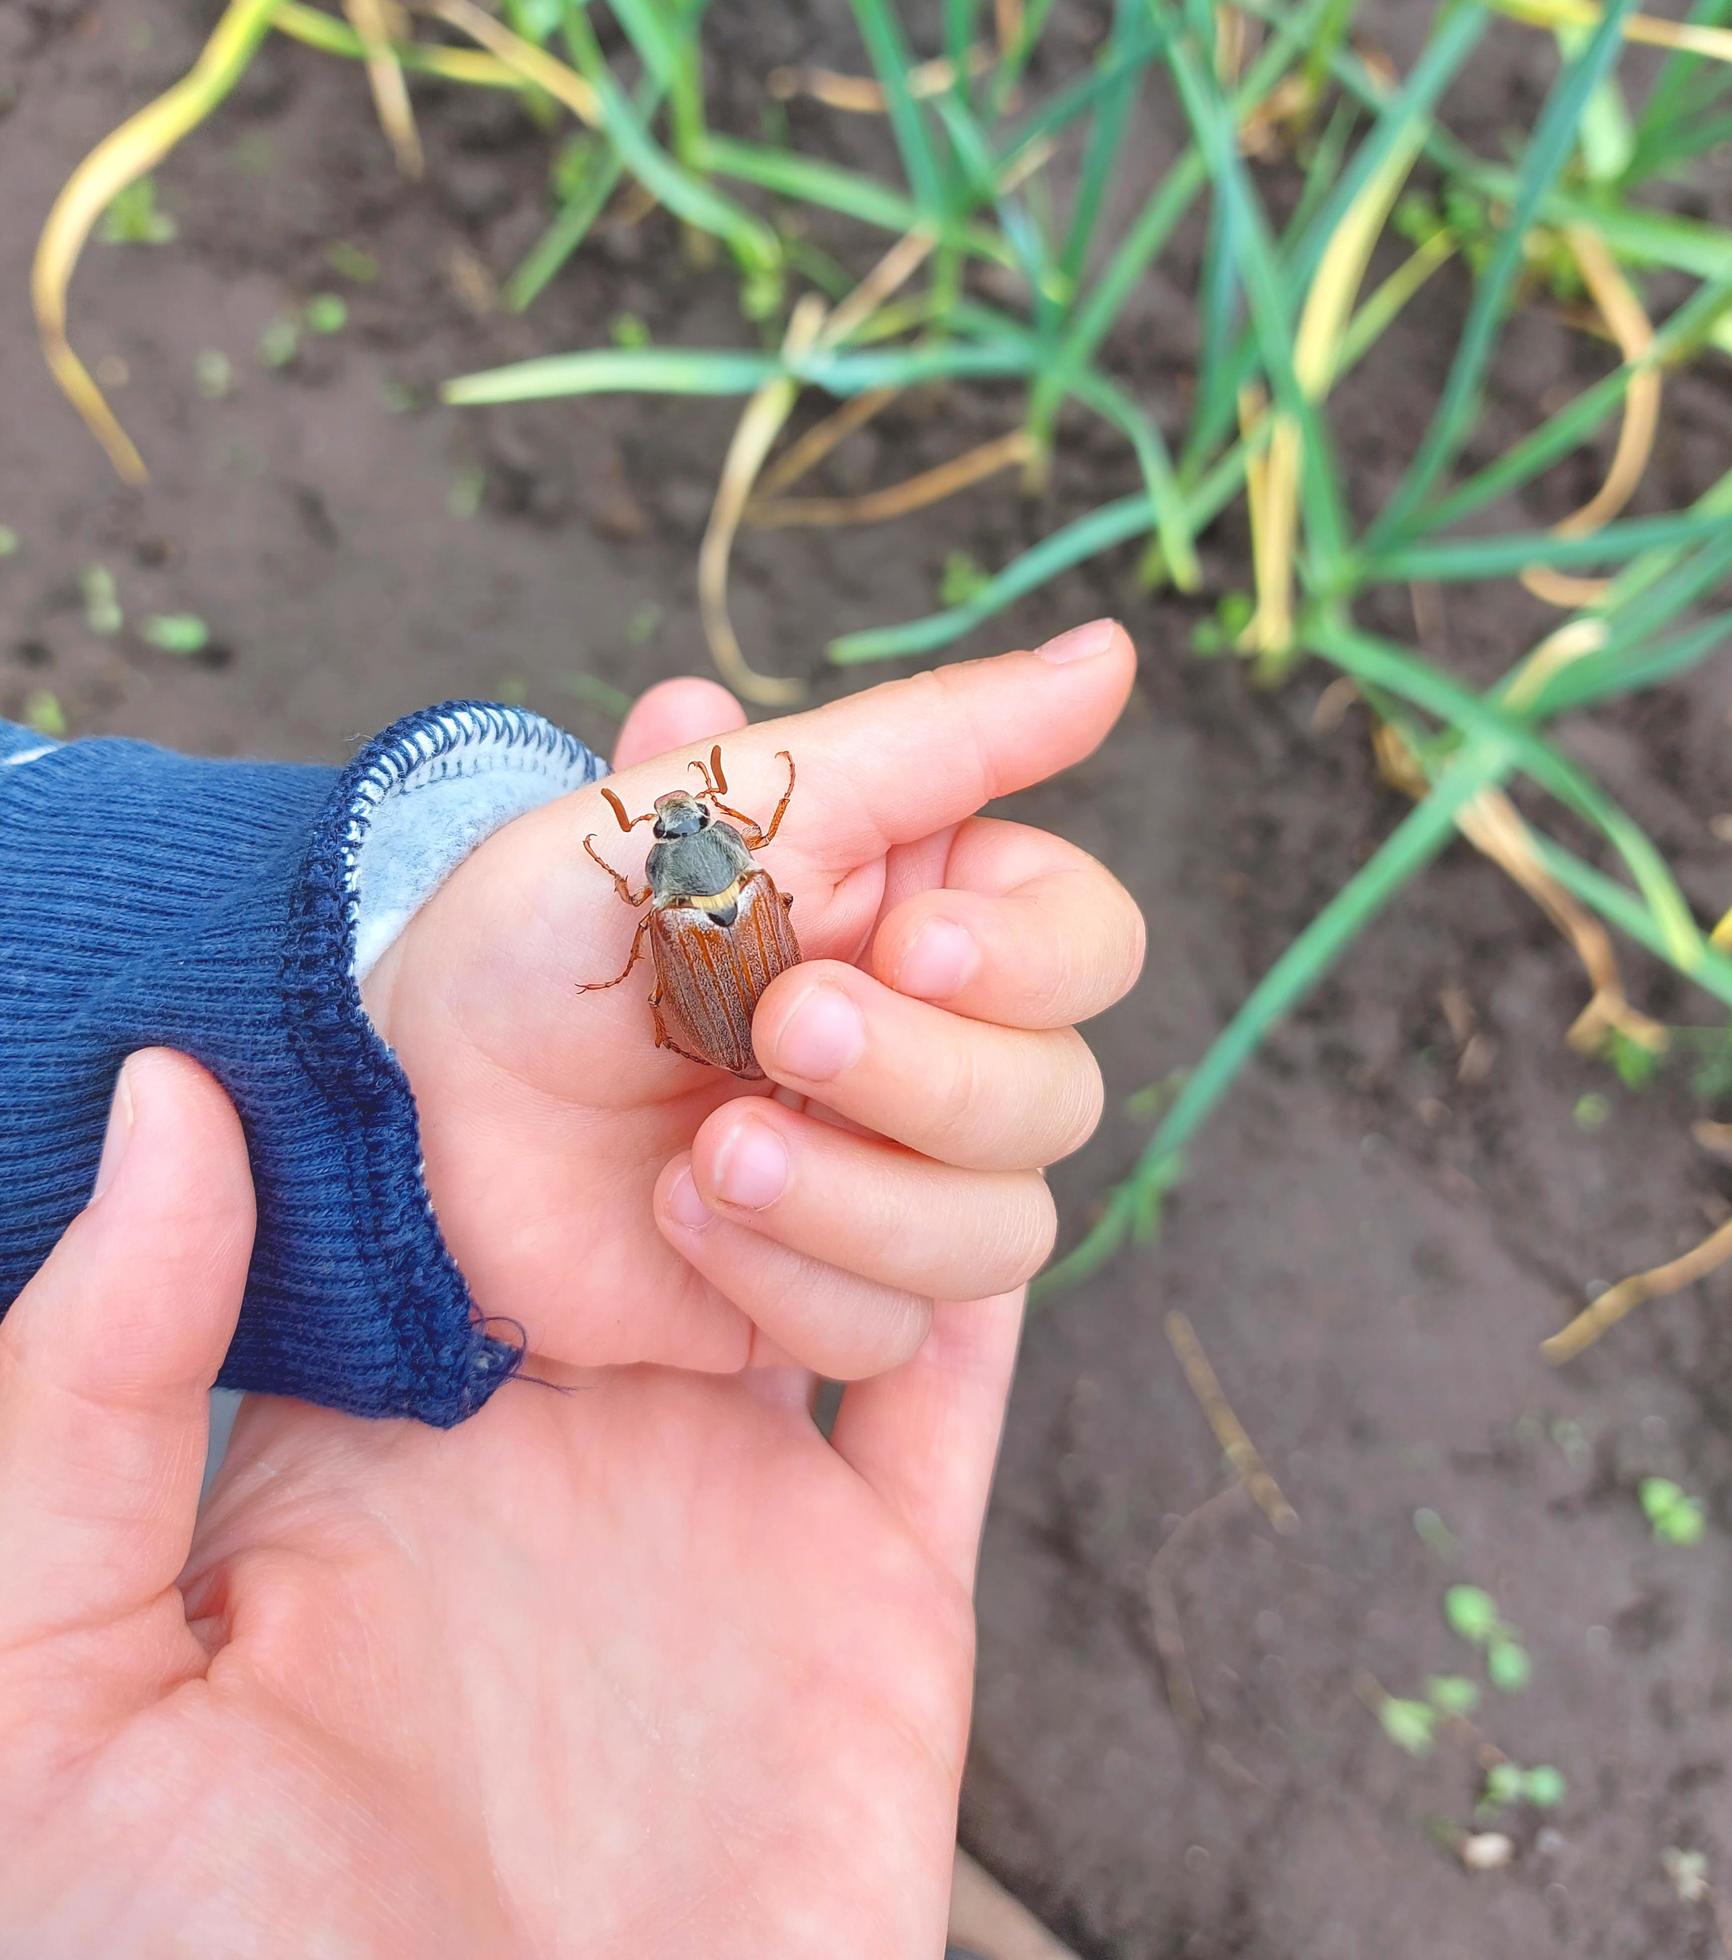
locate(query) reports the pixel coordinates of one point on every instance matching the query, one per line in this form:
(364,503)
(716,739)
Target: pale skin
(651,1667)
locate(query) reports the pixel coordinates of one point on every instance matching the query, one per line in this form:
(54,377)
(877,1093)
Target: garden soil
(1175,1751)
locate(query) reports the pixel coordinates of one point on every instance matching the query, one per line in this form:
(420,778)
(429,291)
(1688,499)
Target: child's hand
(625,1205)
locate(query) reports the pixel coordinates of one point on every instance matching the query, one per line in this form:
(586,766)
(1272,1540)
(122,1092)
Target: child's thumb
(107,1357)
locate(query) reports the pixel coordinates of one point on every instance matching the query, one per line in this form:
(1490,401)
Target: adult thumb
(108,1355)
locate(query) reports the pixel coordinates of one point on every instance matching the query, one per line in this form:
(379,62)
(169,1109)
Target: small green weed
(43,712)
(1508,1784)
(182,634)
(1472,1614)
(1674,1516)
(102,613)
(134,217)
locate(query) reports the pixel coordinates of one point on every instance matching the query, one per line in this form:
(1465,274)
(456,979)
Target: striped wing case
(709,976)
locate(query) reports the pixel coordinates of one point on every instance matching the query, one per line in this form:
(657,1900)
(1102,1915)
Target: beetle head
(680,815)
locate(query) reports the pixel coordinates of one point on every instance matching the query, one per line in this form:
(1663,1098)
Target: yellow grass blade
(1631,328)
(809,451)
(523,57)
(1685,37)
(1316,353)
(331,36)
(896,499)
(808,328)
(860,95)
(123,156)
(758,428)
(372,21)
(1654,1284)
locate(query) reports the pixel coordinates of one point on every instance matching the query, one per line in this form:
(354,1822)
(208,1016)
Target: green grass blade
(648,32)
(1710,969)
(1669,104)
(1508,553)
(1172,518)
(695,371)
(1063,108)
(808,180)
(1619,669)
(1087,537)
(1093,316)
(1547,153)
(1420,837)
(1387,666)
(959,20)
(571,225)
(1107,399)
(1016,56)
(615,370)
(1652,590)
(1684,331)
(887,48)
(754,245)
(1105,140)
(980,171)
(1084,538)
(1322,499)
(1457,35)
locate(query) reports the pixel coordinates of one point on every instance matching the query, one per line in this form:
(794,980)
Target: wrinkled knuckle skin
(1031,1248)
(1137,948)
(957,1110)
(1087,1095)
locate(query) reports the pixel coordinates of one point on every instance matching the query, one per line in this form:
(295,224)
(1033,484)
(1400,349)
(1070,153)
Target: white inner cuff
(450,784)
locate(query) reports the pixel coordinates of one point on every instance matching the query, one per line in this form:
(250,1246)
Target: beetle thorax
(697,864)
(680,815)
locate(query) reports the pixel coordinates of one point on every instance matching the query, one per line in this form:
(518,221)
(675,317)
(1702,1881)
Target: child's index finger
(913,756)
(910,757)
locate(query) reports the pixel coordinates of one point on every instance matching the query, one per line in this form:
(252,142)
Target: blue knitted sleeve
(230,910)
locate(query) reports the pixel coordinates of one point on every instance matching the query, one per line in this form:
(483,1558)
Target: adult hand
(646,1668)
(623,1204)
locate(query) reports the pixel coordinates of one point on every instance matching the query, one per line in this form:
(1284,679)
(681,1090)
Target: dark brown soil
(1370,1246)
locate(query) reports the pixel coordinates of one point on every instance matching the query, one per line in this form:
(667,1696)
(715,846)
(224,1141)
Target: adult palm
(634,1662)
(638,1664)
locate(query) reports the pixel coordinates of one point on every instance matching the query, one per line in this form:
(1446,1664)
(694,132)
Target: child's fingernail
(751,1166)
(1081,642)
(685,1207)
(118,1135)
(824,1035)
(940,961)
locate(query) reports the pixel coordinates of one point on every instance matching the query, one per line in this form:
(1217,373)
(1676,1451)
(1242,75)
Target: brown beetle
(718,928)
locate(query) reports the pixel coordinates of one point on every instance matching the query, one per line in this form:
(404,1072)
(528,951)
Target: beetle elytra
(718,929)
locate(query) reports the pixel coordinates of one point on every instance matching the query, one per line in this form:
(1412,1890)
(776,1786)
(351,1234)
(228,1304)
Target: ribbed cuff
(228,909)
(410,807)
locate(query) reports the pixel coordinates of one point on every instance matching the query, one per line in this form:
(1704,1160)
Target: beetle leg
(599,986)
(620,883)
(715,783)
(665,1040)
(760,837)
(618,808)
(754,836)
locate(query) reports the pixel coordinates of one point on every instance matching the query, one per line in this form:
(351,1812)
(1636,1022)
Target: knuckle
(907,1320)
(955,1106)
(952,695)
(1028,1241)
(1136,929)
(1080,1098)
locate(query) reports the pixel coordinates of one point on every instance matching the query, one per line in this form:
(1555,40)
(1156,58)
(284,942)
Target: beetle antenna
(716,769)
(618,808)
